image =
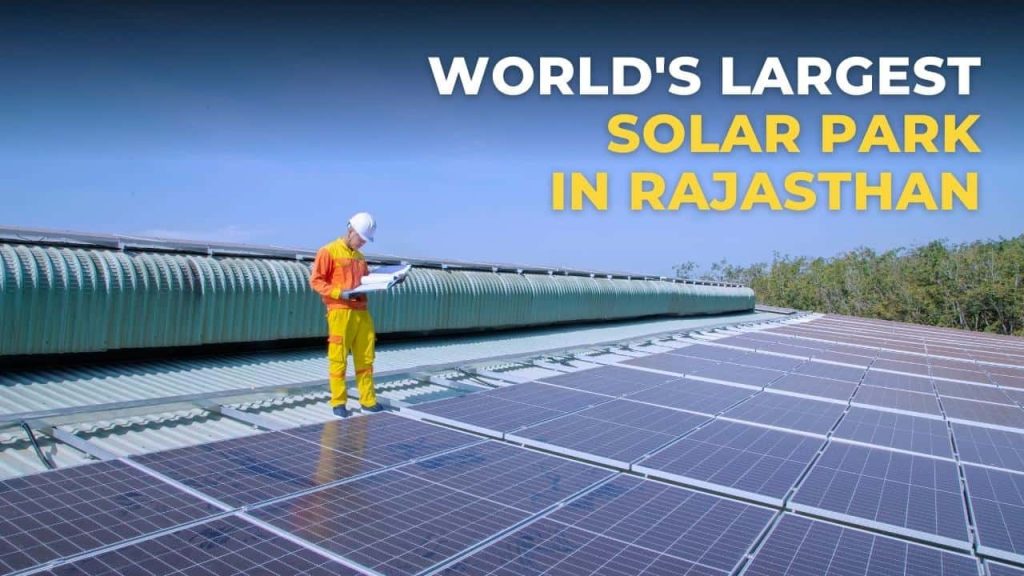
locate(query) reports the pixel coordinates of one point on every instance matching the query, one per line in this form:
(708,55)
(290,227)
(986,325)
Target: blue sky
(270,125)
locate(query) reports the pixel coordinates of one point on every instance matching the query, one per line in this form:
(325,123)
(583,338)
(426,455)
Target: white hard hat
(364,225)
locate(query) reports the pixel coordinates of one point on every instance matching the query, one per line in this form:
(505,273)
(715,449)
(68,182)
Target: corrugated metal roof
(85,386)
(39,390)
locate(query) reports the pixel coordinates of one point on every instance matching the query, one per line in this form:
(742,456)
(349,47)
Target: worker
(340,266)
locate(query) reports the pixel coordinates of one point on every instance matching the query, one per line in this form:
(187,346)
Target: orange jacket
(338,268)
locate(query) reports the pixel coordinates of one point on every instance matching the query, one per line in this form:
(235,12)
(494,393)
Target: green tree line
(976,286)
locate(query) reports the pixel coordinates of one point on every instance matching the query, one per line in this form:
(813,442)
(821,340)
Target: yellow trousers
(350,331)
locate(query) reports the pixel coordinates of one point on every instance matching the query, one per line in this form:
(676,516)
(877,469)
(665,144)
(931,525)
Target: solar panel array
(830,446)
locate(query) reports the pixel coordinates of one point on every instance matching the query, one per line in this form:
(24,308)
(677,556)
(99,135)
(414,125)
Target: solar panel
(957,374)
(898,381)
(814,386)
(804,350)
(800,546)
(1007,370)
(225,546)
(1007,380)
(628,526)
(400,522)
(483,413)
(972,392)
(694,395)
(392,522)
(63,512)
(834,371)
(737,374)
(734,458)
(512,476)
(894,356)
(900,431)
(950,363)
(918,367)
(902,493)
(544,396)
(857,359)
(853,350)
(989,446)
(997,501)
(872,396)
(616,433)
(769,361)
(984,413)
(610,380)
(717,353)
(1006,376)
(803,414)
(250,469)
(671,362)
(1015,395)
(997,569)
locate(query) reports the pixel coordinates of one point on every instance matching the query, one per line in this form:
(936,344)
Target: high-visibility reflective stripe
(364,370)
(336,339)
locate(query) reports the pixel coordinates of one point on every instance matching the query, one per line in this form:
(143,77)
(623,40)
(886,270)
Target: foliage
(976,286)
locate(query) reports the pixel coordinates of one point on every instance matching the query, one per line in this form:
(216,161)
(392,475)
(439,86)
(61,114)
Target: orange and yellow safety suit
(349,327)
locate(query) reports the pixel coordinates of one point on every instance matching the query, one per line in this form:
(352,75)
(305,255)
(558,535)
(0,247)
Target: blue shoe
(374,408)
(340,411)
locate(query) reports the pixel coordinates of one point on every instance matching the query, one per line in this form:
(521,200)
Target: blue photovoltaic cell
(255,468)
(484,411)
(620,430)
(891,430)
(997,569)
(804,349)
(736,456)
(694,395)
(917,366)
(512,476)
(544,396)
(997,500)
(950,363)
(1015,395)
(406,520)
(741,374)
(898,381)
(989,446)
(751,341)
(788,412)
(984,412)
(971,392)
(890,355)
(64,512)
(554,549)
(858,358)
(957,374)
(834,371)
(1008,380)
(392,522)
(769,361)
(628,526)
(225,546)
(610,380)
(814,386)
(669,362)
(385,439)
(717,353)
(903,491)
(897,399)
(800,546)
(645,417)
